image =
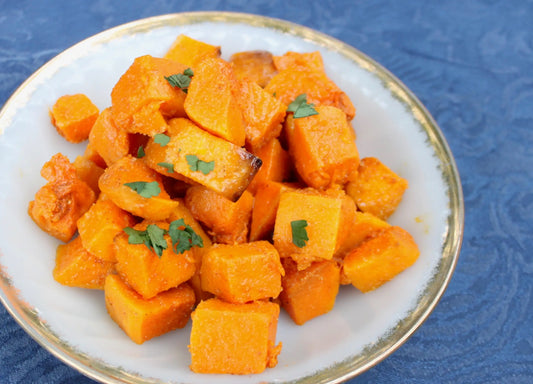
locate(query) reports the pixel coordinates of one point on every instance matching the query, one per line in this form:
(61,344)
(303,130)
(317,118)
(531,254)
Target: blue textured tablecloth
(471,64)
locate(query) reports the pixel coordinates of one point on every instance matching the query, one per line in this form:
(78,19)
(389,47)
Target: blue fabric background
(470,62)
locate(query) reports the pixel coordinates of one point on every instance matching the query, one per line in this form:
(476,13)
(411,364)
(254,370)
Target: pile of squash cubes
(222,191)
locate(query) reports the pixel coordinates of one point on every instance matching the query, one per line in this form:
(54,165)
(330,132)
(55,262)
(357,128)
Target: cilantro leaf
(140,152)
(301,108)
(161,139)
(195,164)
(144,188)
(299,233)
(152,237)
(168,166)
(181,80)
(183,239)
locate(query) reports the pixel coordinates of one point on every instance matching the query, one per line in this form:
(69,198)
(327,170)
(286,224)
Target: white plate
(360,331)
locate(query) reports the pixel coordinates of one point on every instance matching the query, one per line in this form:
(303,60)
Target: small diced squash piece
(143,97)
(76,267)
(146,272)
(190,52)
(257,66)
(108,140)
(265,207)
(380,258)
(323,217)
(91,154)
(227,221)
(276,165)
(232,167)
(130,169)
(323,148)
(88,171)
(73,116)
(100,224)
(143,319)
(377,189)
(306,60)
(311,292)
(262,113)
(320,90)
(242,272)
(211,103)
(232,338)
(59,204)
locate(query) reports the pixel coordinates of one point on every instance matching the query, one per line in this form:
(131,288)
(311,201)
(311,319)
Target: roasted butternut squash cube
(77,267)
(289,83)
(132,170)
(377,189)
(321,216)
(100,224)
(276,165)
(59,204)
(227,221)
(262,113)
(73,116)
(190,52)
(146,272)
(306,60)
(231,338)
(380,258)
(89,172)
(257,66)
(143,98)
(143,319)
(242,272)
(323,148)
(199,157)
(107,139)
(311,292)
(266,204)
(211,103)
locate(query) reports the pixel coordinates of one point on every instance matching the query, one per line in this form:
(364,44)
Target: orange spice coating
(146,272)
(73,116)
(77,267)
(311,292)
(306,60)
(221,337)
(130,169)
(110,142)
(380,258)
(242,272)
(257,66)
(227,221)
(89,172)
(276,165)
(189,52)
(211,103)
(143,319)
(100,224)
(62,201)
(323,147)
(377,189)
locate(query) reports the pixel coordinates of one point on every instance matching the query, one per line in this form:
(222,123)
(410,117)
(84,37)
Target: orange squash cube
(231,167)
(147,273)
(143,319)
(142,97)
(322,214)
(107,139)
(380,258)
(276,165)
(227,221)
(323,148)
(306,60)
(89,172)
(129,170)
(377,189)
(262,113)
(76,267)
(73,116)
(311,292)
(242,272)
(231,338)
(100,224)
(188,51)
(211,103)
(257,66)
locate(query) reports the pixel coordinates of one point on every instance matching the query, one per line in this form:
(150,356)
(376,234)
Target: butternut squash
(257,66)
(73,116)
(189,52)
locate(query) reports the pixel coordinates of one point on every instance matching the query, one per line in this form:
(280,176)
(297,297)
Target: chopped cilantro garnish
(301,108)
(152,237)
(168,166)
(299,233)
(183,239)
(181,80)
(140,152)
(161,139)
(144,188)
(195,164)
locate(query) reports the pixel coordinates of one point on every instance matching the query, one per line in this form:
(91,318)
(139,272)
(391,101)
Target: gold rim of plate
(29,319)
